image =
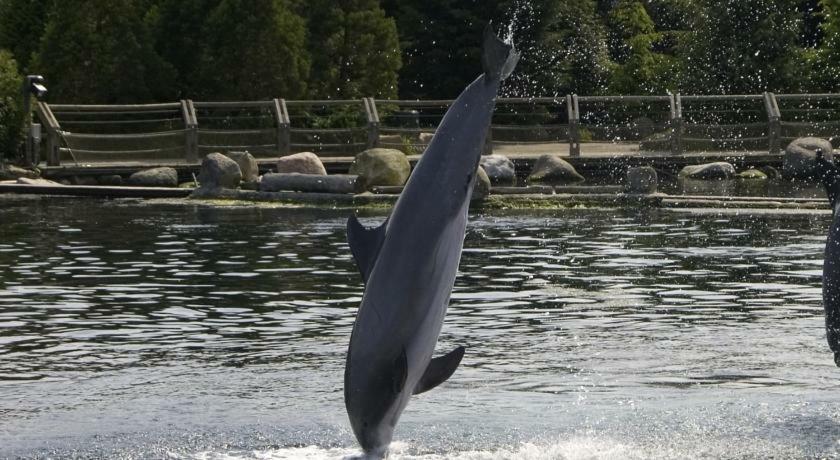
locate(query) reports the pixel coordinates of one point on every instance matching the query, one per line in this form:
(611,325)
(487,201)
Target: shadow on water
(191,331)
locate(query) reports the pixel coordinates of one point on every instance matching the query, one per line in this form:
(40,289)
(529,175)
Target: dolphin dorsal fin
(364,244)
(439,370)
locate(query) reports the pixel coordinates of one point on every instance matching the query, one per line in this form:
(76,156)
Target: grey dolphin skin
(409,265)
(829,175)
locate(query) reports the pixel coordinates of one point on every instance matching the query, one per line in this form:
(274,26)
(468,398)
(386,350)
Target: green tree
(744,46)
(22,23)
(355,49)
(100,51)
(11,115)
(639,69)
(254,49)
(179,28)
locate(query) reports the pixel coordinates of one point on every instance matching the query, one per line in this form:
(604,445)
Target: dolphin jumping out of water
(409,265)
(829,174)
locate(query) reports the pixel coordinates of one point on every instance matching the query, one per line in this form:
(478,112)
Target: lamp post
(33,85)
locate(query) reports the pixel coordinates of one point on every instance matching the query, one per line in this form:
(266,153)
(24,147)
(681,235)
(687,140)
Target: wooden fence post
(676,125)
(372,122)
(191,131)
(284,127)
(49,121)
(574,125)
(774,123)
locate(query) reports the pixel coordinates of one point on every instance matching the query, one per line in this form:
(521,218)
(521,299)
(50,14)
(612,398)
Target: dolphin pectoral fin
(364,244)
(439,370)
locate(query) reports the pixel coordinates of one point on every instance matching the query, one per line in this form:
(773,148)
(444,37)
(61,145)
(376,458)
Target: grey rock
(301,163)
(155,177)
(12,172)
(710,171)
(643,180)
(499,169)
(218,171)
(38,181)
(113,179)
(751,174)
(381,167)
(800,156)
(248,165)
(553,170)
(482,185)
(770,172)
(425,138)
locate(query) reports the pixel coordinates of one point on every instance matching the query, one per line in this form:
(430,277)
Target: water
(183,331)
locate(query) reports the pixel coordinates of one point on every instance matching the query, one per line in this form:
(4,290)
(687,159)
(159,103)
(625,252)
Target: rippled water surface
(164,330)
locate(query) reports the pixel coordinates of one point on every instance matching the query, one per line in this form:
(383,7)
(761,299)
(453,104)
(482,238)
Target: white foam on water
(572,449)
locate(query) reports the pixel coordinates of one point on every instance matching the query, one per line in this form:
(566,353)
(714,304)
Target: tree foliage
(101,51)
(11,114)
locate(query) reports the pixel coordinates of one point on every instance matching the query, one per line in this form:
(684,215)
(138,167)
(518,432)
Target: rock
(186,185)
(800,155)
(751,174)
(482,185)
(425,138)
(381,167)
(709,171)
(334,183)
(155,177)
(770,172)
(38,181)
(12,172)
(642,180)
(499,169)
(84,180)
(113,179)
(551,169)
(301,163)
(248,165)
(218,171)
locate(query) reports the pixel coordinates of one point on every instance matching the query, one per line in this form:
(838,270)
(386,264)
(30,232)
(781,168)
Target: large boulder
(710,171)
(381,167)
(482,185)
(642,180)
(499,169)
(553,170)
(301,163)
(155,177)
(219,171)
(800,156)
(247,165)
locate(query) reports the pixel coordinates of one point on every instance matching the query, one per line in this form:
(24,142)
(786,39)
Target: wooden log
(336,183)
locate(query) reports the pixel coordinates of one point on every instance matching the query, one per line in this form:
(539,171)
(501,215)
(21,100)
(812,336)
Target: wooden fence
(185,131)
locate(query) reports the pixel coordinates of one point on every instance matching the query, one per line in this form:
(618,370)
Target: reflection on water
(199,332)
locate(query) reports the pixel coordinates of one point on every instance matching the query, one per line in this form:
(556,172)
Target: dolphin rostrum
(828,173)
(409,265)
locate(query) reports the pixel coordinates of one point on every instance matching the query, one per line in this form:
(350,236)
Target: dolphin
(409,265)
(829,175)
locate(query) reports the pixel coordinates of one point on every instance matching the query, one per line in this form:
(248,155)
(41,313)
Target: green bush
(11,115)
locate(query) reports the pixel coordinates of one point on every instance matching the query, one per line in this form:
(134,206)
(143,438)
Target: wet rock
(482,185)
(551,169)
(751,174)
(770,172)
(248,165)
(218,171)
(499,169)
(800,156)
(381,167)
(12,172)
(301,163)
(113,179)
(38,181)
(710,171)
(643,180)
(155,177)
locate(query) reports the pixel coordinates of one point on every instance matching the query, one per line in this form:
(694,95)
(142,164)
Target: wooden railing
(186,130)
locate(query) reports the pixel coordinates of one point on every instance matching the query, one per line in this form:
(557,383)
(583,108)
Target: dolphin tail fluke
(439,370)
(364,244)
(498,58)
(829,176)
